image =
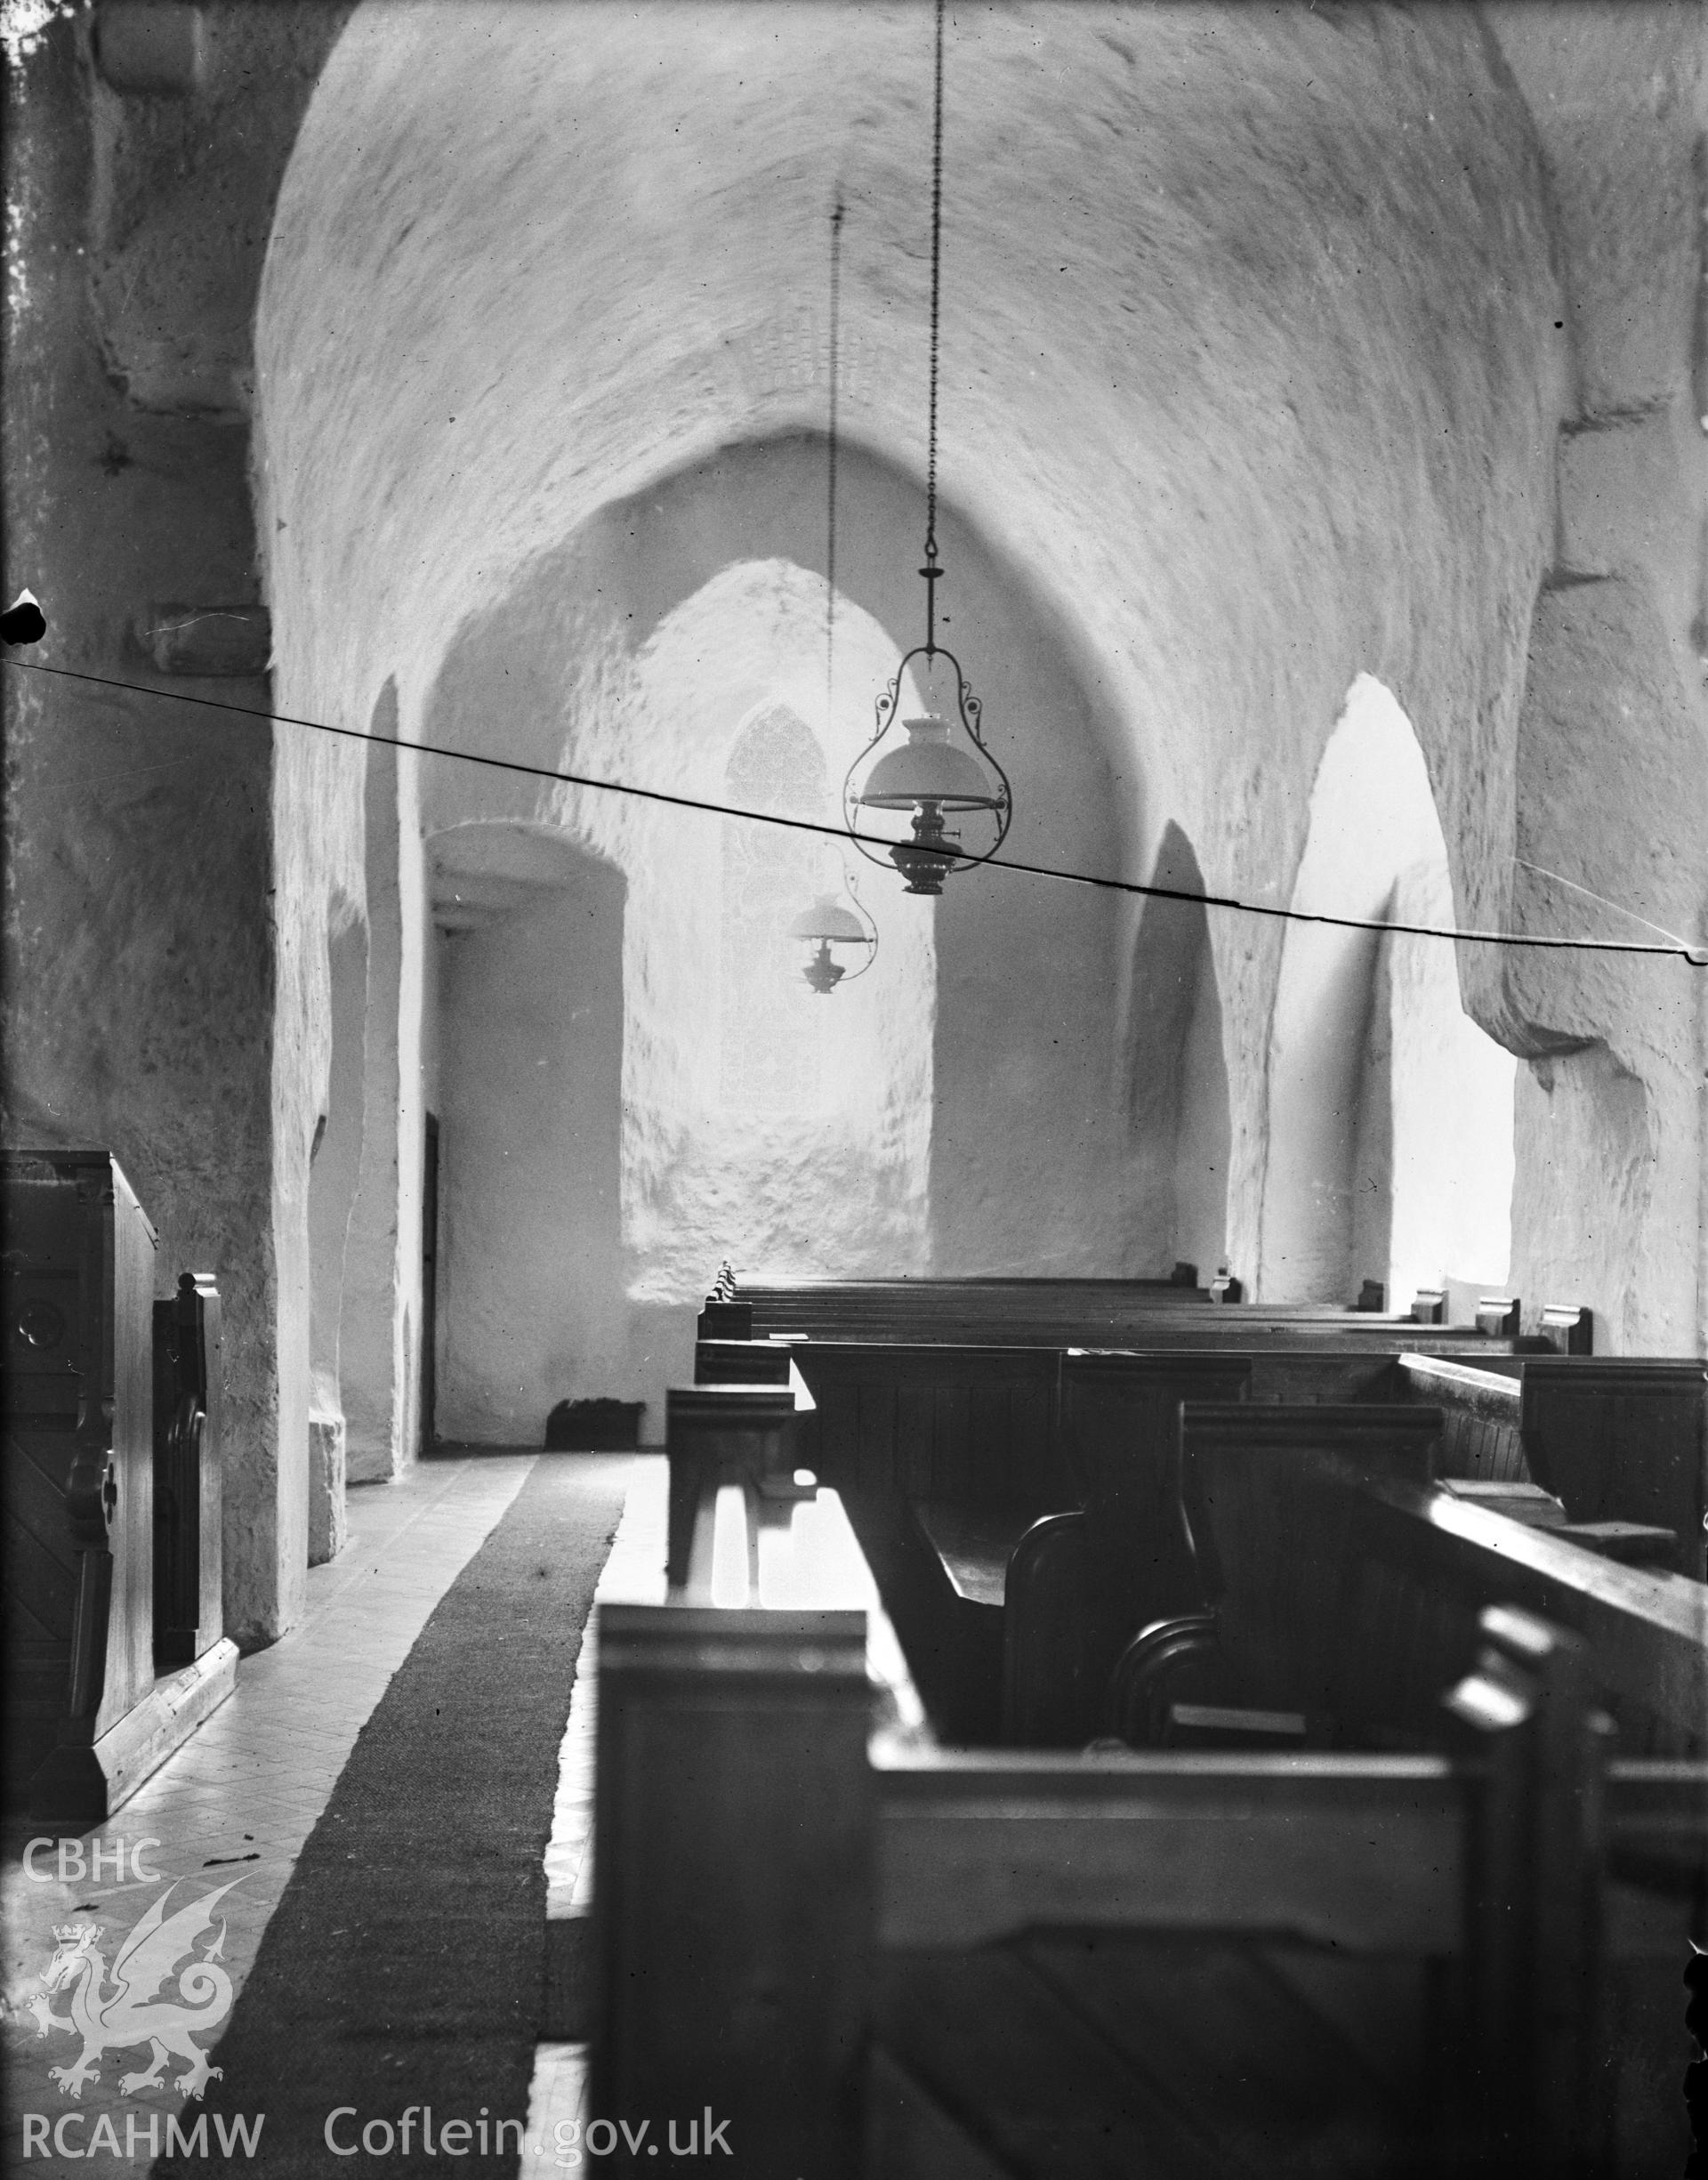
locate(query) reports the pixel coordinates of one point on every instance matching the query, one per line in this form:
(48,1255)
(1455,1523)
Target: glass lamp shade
(930,768)
(828,920)
(938,772)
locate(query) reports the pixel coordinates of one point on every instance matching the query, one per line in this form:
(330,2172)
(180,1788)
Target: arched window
(771,1057)
(1391,1112)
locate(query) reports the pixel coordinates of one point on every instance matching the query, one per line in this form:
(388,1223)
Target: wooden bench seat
(1090,1431)
(868,1955)
(1633,1543)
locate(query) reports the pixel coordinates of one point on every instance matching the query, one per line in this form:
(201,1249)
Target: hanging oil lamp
(943,767)
(835,921)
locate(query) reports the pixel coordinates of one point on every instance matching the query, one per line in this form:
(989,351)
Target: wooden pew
(945,1455)
(1620,1438)
(949,1457)
(1612,1436)
(876,1957)
(1076,1586)
(934,1421)
(956,1310)
(1070,1313)
(1343,1586)
(88,1716)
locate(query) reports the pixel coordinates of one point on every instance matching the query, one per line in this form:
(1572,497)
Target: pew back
(972,1424)
(1270,1555)
(1075,1312)
(887,1958)
(1619,1440)
(1623,1439)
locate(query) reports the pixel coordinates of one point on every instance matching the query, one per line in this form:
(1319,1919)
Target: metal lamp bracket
(972,712)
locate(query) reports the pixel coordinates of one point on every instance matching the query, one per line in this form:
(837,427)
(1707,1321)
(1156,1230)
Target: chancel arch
(1390,1111)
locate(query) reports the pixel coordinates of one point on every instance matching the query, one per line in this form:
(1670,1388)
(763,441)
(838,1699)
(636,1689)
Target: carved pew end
(1498,1316)
(1568,1327)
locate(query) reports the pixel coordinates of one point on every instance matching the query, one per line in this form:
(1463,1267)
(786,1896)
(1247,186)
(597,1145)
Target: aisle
(392,2008)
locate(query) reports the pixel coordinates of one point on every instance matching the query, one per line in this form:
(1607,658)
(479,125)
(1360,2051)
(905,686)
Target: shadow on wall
(1390,1112)
(1178,1111)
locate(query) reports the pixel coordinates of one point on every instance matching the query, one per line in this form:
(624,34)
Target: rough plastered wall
(1611,1202)
(1258,326)
(140,933)
(1254,357)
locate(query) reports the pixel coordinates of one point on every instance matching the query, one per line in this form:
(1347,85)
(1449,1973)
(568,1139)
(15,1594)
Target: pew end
(1568,1327)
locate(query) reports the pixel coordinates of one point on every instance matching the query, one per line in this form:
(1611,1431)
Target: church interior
(1077,1446)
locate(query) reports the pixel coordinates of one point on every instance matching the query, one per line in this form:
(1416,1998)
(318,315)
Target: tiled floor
(237,1800)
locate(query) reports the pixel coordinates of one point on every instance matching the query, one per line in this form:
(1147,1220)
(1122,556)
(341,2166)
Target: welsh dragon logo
(130,2010)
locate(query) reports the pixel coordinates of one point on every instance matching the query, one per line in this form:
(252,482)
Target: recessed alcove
(529,974)
(1391,1112)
